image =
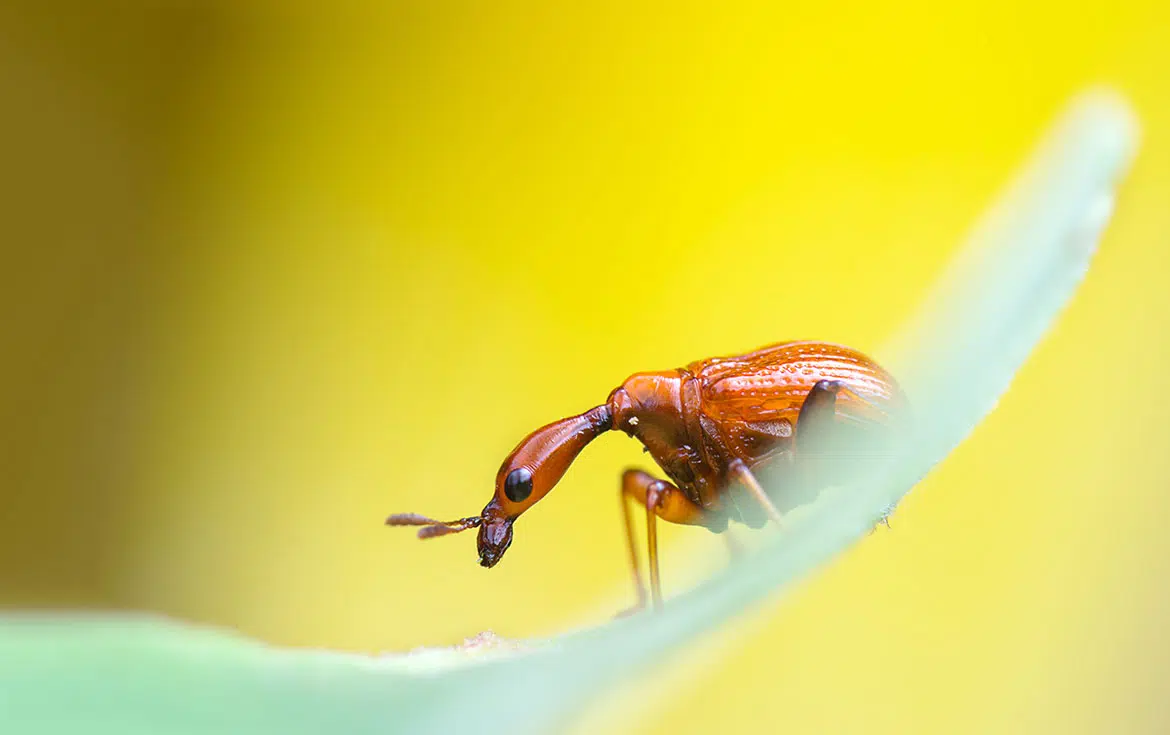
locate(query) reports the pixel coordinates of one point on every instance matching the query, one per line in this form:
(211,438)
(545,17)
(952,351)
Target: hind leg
(816,415)
(818,455)
(815,456)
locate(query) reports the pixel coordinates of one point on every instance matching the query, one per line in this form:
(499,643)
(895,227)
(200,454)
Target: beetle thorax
(649,408)
(648,403)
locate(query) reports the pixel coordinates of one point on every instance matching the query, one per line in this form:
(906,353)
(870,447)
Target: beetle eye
(518,484)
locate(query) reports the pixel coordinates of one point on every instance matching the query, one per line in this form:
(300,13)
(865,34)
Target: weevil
(712,427)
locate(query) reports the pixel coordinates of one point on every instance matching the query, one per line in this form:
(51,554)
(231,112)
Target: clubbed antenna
(431,527)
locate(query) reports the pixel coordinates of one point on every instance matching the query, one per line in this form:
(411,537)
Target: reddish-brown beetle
(711,426)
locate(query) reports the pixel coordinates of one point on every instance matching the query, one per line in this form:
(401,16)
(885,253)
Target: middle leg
(816,417)
(740,471)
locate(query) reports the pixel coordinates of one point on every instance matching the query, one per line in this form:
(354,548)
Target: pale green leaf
(1007,286)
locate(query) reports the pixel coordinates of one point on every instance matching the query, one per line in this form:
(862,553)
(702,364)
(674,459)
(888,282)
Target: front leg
(661,500)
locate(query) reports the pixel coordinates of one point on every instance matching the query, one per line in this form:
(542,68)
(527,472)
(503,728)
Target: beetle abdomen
(749,408)
(769,385)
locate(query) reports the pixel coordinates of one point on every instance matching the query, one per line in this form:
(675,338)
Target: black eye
(518,484)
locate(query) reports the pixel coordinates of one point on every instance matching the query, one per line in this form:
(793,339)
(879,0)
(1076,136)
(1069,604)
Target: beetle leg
(653,496)
(630,543)
(741,472)
(661,500)
(816,413)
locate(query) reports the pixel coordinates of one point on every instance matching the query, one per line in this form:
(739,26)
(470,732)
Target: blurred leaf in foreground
(1006,287)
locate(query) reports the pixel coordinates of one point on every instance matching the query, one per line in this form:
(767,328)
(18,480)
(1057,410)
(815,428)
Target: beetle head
(495,535)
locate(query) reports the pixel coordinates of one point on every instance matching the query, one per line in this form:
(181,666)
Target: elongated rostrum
(712,427)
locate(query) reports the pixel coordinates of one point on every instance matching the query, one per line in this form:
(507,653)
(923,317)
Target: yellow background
(278,270)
